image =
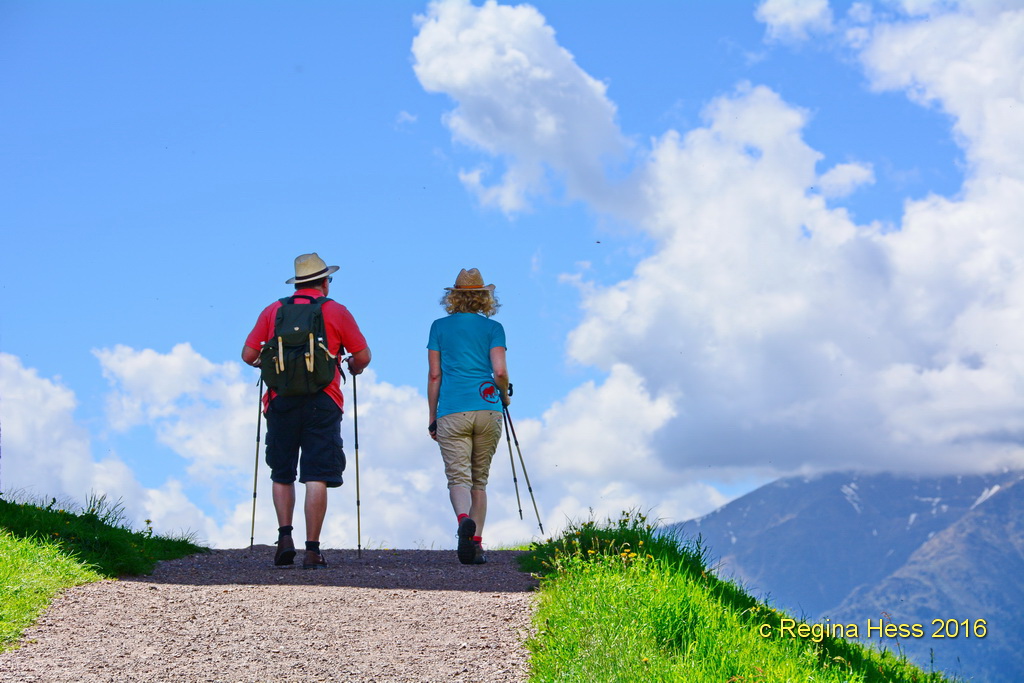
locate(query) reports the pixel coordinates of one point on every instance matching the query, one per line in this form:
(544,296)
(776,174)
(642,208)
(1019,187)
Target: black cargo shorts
(304,434)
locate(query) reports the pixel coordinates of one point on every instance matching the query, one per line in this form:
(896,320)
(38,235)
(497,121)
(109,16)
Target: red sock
(461,517)
(477,539)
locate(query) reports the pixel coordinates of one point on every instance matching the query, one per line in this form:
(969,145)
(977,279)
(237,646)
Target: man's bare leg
(315,509)
(284,503)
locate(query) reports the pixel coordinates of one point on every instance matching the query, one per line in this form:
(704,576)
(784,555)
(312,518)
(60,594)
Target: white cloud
(594,430)
(969,64)
(520,96)
(781,334)
(48,454)
(204,412)
(843,179)
(170,511)
(593,454)
(794,20)
(149,383)
(45,452)
(959,262)
(753,308)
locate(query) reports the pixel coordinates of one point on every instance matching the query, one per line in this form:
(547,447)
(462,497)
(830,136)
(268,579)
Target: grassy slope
(47,548)
(621,603)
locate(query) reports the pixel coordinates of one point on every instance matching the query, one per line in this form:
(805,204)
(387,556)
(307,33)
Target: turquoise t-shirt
(465,341)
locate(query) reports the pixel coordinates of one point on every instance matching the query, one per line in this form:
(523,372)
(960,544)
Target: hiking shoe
(479,557)
(466,549)
(285,554)
(314,560)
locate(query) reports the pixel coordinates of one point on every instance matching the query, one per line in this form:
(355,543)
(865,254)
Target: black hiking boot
(466,549)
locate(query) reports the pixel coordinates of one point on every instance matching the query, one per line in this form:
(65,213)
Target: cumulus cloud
(203,411)
(843,179)
(753,307)
(596,429)
(794,20)
(594,453)
(968,63)
(521,97)
(959,260)
(767,329)
(47,453)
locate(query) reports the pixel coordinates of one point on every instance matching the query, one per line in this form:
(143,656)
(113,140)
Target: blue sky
(733,241)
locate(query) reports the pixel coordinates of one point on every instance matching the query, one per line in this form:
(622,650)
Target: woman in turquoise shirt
(467,386)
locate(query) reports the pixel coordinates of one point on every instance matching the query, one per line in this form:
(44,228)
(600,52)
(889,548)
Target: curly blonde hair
(461,301)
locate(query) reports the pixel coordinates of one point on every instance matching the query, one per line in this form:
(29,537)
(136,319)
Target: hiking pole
(256,468)
(523,463)
(512,461)
(355,420)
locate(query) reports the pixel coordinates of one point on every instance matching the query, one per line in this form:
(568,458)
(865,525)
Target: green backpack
(296,360)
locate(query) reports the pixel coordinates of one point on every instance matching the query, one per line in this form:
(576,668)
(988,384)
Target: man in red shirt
(312,423)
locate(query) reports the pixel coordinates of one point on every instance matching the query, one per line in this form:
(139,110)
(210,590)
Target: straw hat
(469,281)
(309,267)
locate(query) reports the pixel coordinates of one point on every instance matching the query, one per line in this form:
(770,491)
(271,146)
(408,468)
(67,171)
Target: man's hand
(432,428)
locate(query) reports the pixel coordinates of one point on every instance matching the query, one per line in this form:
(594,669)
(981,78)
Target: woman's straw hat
(469,281)
(309,267)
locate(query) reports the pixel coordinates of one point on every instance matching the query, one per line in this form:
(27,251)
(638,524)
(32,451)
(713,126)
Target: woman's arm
(433,387)
(500,370)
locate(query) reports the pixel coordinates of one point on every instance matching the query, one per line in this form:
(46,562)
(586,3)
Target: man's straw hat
(309,267)
(470,281)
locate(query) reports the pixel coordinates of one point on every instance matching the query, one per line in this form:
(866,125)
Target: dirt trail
(227,615)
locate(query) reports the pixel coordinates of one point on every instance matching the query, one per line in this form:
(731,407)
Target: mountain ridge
(850,546)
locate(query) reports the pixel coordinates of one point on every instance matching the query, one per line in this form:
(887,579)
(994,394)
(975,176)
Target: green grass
(47,548)
(621,602)
(31,573)
(519,547)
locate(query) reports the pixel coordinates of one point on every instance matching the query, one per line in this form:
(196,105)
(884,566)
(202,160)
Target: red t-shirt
(343,336)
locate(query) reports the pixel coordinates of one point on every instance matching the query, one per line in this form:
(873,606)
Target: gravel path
(229,615)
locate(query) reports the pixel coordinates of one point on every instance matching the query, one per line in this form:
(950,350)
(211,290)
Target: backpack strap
(318,300)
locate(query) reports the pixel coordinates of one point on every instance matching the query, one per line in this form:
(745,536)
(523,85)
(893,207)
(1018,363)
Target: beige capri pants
(468,441)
